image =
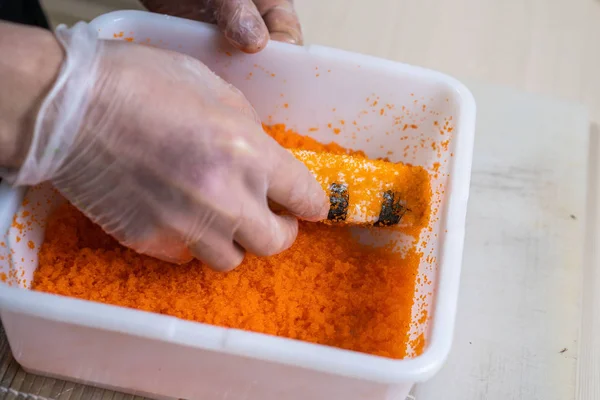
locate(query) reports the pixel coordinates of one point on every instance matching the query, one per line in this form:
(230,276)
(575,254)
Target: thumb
(242,25)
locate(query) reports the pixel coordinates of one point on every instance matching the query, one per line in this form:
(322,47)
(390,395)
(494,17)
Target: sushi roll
(366,192)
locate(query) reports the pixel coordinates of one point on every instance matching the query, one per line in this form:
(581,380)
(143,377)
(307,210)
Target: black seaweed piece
(392,210)
(338,202)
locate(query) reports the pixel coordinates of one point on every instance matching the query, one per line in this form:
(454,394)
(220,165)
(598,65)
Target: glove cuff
(61,114)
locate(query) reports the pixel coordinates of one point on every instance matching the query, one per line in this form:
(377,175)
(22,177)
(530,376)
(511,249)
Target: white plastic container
(389,109)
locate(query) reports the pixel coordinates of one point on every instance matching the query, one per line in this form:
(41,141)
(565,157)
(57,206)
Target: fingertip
(220,255)
(324,210)
(285,37)
(312,196)
(320,206)
(296,189)
(249,34)
(272,235)
(281,20)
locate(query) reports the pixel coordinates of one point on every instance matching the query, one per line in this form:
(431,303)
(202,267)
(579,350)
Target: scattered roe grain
(325,289)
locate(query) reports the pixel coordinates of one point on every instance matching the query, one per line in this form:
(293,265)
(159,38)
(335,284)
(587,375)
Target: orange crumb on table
(327,288)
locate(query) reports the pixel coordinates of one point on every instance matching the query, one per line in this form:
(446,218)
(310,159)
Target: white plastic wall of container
(388,109)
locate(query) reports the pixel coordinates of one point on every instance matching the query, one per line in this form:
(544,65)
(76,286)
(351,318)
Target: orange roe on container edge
(419,344)
(325,289)
(292,140)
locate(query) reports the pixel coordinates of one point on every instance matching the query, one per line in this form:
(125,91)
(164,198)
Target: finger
(242,24)
(292,186)
(219,252)
(164,247)
(194,9)
(281,20)
(266,234)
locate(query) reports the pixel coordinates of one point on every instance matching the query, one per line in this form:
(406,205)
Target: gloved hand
(245,23)
(165,156)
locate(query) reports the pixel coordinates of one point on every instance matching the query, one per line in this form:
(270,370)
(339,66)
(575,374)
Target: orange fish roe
(325,289)
(292,140)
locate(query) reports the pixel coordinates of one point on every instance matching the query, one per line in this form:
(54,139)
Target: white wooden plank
(588,387)
(519,309)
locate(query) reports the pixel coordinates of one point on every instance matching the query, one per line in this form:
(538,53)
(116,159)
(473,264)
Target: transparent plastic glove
(165,156)
(247,24)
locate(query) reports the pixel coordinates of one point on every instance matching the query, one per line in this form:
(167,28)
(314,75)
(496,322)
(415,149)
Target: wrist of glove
(61,113)
(165,156)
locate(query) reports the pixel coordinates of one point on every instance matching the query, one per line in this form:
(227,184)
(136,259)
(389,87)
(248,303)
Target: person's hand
(165,156)
(247,24)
